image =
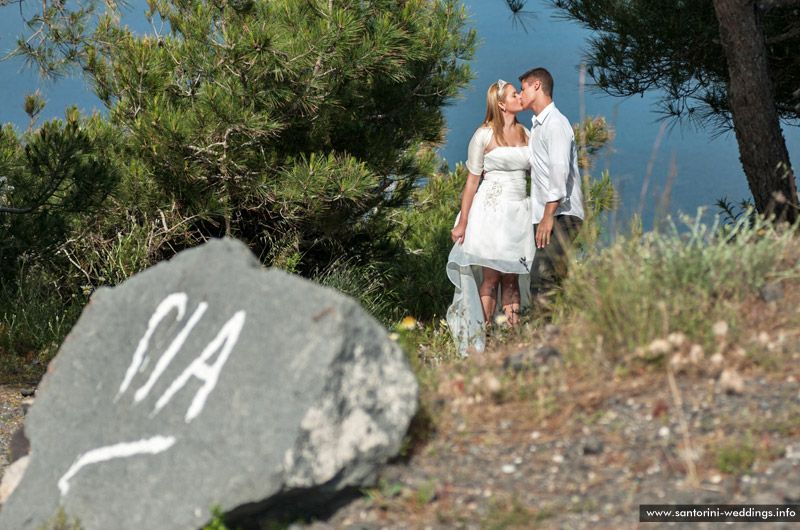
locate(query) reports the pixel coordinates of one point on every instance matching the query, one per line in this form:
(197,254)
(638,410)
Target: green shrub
(36,312)
(423,231)
(370,284)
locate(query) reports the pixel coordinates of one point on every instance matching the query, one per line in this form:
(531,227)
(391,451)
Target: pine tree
(716,64)
(296,126)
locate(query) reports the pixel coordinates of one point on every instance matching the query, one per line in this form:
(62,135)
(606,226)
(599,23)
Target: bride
(493,233)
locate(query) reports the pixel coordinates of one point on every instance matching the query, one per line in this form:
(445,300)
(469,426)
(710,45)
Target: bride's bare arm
(470,188)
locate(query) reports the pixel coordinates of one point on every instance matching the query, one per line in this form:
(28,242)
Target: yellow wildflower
(408,324)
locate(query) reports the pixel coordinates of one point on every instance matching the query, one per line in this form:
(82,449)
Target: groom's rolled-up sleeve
(559,154)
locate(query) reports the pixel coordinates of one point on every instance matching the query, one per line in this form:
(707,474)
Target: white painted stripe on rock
(149,446)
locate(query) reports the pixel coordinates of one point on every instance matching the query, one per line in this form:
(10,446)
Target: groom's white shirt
(554,165)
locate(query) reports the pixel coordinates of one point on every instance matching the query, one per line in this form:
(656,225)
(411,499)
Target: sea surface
(652,163)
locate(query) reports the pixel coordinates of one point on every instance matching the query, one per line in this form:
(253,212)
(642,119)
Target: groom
(556,197)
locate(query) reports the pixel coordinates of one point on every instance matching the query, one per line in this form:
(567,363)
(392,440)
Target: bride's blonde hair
(494,116)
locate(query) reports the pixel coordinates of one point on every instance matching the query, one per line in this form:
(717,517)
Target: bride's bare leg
(488,293)
(510,297)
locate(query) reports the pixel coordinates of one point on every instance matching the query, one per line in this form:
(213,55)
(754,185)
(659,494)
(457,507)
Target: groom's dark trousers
(550,265)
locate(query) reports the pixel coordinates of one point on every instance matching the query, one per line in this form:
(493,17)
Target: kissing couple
(508,246)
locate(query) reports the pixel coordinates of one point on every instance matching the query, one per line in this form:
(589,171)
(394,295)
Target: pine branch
(6,209)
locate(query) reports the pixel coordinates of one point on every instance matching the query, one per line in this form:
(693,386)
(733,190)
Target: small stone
(717,359)
(28,392)
(547,354)
(677,338)
(677,362)
(696,354)
(551,331)
(491,384)
(791,493)
(792,452)
(514,362)
(593,446)
(771,292)
(763,338)
(542,358)
(731,382)
(659,347)
(508,469)
(663,432)
(535,435)
(715,479)
(720,329)
(558,458)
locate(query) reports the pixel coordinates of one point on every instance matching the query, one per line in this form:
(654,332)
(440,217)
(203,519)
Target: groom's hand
(545,227)
(543,231)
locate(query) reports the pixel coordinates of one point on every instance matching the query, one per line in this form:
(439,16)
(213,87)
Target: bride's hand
(457,233)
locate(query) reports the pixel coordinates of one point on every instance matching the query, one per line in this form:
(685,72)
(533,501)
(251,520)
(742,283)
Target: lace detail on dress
(493,195)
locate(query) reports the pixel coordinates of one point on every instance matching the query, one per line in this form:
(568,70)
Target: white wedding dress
(499,235)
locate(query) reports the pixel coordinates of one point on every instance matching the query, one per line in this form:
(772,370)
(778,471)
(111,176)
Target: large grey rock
(209,381)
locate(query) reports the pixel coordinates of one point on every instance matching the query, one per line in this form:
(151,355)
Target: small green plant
(600,197)
(732,213)
(61,522)
(736,457)
(381,495)
(425,494)
(218,521)
(504,515)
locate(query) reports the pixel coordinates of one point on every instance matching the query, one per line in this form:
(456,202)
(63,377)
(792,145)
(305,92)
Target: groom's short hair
(542,75)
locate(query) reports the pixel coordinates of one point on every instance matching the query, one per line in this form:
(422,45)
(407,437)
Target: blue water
(705,169)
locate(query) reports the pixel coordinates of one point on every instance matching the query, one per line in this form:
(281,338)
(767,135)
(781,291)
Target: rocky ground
(494,461)
(517,438)
(501,464)
(582,457)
